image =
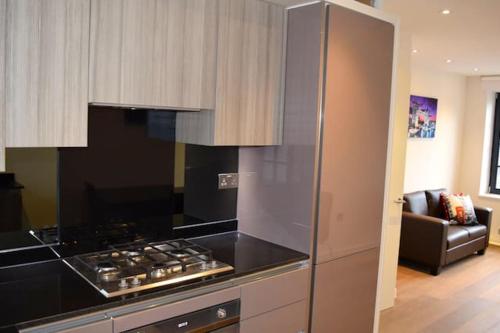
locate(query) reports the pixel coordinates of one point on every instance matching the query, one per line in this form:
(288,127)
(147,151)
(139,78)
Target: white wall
(392,224)
(435,163)
(430,163)
(476,151)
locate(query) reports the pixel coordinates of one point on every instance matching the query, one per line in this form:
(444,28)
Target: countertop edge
(103,312)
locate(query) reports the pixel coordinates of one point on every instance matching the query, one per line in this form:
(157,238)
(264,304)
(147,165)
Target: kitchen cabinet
(261,301)
(44,100)
(332,166)
(153,53)
(348,101)
(221,58)
(248,88)
(344,296)
(270,301)
(276,304)
(274,292)
(289,319)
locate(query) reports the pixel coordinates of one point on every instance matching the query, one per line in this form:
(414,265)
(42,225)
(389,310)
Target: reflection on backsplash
(132,182)
(28,198)
(29,189)
(125,174)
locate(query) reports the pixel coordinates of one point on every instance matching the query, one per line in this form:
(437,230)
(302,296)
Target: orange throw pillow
(458,209)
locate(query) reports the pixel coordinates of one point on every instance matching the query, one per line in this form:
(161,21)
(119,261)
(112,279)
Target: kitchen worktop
(50,291)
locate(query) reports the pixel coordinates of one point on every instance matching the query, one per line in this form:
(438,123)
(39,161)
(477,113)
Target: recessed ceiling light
(446,12)
(448,61)
(414,51)
(476,69)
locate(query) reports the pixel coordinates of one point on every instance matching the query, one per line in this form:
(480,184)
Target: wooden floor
(465,297)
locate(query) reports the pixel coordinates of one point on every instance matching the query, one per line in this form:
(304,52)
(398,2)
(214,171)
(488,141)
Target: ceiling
(469,35)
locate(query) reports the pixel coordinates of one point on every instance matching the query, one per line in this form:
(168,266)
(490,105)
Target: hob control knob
(123,284)
(135,281)
(221,313)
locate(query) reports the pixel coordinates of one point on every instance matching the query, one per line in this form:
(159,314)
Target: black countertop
(49,291)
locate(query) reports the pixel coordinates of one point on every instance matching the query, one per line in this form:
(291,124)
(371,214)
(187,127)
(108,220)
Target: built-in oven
(222,318)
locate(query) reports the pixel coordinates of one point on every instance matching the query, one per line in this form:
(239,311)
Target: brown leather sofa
(428,239)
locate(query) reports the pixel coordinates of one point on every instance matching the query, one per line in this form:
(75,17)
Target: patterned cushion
(458,209)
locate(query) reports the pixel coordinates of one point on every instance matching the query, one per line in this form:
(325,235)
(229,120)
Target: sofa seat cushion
(476,231)
(457,235)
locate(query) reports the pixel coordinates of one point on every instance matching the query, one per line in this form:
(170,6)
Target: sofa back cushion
(460,209)
(434,203)
(416,203)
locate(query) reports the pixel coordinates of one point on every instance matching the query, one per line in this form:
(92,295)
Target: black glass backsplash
(134,182)
(28,198)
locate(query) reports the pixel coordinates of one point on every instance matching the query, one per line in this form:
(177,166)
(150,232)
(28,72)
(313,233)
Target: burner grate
(141,257)
(141,265)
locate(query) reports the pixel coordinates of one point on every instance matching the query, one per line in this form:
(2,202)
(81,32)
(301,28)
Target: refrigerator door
(344,294)
(355,133)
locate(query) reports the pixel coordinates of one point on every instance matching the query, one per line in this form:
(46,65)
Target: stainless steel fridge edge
(318,153)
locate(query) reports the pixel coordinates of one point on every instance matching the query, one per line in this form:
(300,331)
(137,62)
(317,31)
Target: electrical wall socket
(228,180)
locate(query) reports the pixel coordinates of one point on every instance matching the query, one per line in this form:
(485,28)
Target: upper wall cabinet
(248,90)
(153,53)
(46,72)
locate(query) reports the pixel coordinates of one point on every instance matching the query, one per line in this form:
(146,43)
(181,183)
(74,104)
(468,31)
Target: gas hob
(138,266)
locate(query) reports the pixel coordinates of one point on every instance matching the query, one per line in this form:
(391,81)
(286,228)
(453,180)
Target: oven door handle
(235,328)
(231,325)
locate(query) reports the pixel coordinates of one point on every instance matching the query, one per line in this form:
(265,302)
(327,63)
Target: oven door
(222,318)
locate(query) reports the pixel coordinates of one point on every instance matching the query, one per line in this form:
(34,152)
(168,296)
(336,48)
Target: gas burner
(179,253)
(159,270)
(162,269)
(106,271)
(133,267)
(132,253)
(135,254)
(105,266)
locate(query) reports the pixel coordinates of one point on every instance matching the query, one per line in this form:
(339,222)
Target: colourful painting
(422,118)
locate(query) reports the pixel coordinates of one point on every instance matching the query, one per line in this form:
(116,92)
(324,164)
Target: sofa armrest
(423,239)
(484,216)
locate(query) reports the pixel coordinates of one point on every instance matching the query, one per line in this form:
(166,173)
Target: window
(495,154)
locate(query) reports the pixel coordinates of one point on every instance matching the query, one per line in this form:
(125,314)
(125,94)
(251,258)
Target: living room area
(441,256)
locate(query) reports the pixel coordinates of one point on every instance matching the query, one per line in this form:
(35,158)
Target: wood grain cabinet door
(46,72)
(248,96)
(153,53)
(249,73)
